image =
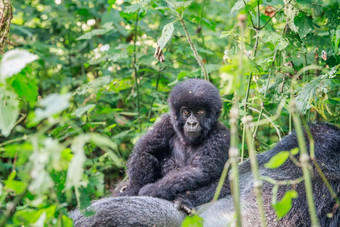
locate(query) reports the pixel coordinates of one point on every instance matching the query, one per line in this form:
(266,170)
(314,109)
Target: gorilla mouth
(192,133)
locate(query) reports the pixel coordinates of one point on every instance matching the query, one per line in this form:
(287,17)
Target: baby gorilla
(185,150)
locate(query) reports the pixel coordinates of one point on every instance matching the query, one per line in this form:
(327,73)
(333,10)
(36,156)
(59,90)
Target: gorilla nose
(192,124)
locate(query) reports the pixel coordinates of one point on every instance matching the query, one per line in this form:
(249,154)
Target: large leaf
(14,61)
(9,110)
(238,6)
(93,86)
(166,35)
(106,28)
(76,168)
(304,24)
(283,207)
(276,39)
(51,105)
(277,160)
(313,88)
(81,110)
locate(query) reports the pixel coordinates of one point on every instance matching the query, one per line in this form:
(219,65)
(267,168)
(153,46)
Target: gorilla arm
(143,164)
(205,166)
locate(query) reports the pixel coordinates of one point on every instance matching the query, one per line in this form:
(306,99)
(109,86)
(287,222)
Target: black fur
(165,163)
(147,211)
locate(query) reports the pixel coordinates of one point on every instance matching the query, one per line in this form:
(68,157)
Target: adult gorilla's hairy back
(148,211)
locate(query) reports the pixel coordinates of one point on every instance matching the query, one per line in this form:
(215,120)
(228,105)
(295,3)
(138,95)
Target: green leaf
(15,186)
(80,111)
(111,3)
(283,207)
(276,39)
(311,90)
(9,111)
(94,85)
(132,8)
(76,168)
(277,160)
(14,61)
(294,151)
(25,87)
(51,105)
(192,221)
(166,35)
(238,6)
(304,24)
(107,27)
(104,143)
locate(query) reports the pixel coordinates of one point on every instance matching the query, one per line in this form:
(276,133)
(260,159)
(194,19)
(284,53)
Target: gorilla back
(148,211)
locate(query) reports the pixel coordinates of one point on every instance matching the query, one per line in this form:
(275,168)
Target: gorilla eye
(200,112)
(185,112)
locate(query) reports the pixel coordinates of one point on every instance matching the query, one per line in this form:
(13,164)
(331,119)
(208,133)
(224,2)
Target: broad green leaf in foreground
(14,61)
(304,24)
(52,104)
(283,207)
(9,110)
(76,168)
(277,160)
(166,35)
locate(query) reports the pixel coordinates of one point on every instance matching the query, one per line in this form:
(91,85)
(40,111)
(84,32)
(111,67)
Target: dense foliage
(79,84)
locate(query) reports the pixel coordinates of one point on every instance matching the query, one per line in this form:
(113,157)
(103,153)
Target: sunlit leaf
(106,28)
(93,86)
(80,111)
(9,110)
(276,39)
(52,104)
(166,35)
(277,160)
(14,61)
(15,186)
(238,6)
(294,151)
(192,221)
(76,167)
(283,207)
(304,24)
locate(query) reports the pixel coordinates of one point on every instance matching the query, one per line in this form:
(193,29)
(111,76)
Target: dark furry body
(165,163)
(148,211)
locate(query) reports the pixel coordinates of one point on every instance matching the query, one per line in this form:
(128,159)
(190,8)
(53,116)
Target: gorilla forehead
(195,93)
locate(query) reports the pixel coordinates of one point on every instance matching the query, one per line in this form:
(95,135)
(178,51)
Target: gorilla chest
(179,156)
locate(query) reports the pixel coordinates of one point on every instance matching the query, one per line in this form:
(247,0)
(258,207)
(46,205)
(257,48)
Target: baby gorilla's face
(192,121)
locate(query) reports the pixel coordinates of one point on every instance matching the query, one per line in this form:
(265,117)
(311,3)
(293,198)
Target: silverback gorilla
(174,162)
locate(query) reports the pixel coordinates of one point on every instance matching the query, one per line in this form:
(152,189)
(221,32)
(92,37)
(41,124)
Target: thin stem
(25,137)
(249,81)
(304,159)
(198,59)
(275,14)
(316,164)
(201,28)
(265,93)
(156,89)
(255,170)
(245,112)
(135,70)
(233,157)
(222,180)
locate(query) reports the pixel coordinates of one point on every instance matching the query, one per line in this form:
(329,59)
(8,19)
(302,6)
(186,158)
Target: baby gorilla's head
(195,107)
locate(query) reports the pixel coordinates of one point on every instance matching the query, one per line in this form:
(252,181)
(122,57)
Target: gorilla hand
(149,190)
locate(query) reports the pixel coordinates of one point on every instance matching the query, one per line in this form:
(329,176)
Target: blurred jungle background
(81,81)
